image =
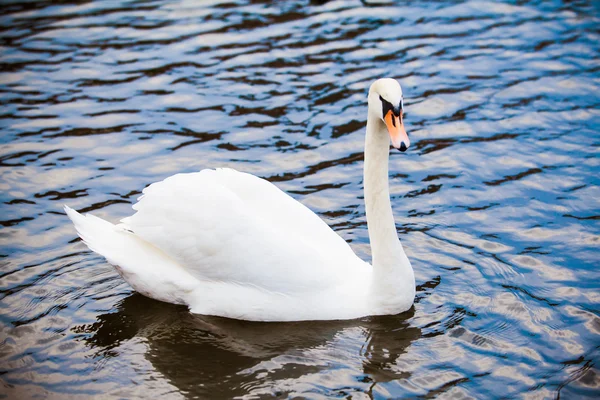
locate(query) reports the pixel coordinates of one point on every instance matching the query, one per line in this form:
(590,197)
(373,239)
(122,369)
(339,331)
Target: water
(497,201)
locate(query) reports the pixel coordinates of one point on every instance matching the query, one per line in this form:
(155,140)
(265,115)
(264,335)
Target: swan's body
(231,244)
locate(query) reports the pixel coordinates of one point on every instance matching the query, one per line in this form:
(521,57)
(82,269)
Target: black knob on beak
(402,147)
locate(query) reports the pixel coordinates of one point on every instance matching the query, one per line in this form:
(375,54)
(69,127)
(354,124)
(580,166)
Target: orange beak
(395,127)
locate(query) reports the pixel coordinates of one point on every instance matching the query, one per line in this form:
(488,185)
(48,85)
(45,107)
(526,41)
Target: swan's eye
(387,106)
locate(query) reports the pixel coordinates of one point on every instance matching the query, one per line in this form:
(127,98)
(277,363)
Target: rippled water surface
(497,202)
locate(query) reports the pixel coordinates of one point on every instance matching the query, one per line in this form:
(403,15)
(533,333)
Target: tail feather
(96,233)
(146,268)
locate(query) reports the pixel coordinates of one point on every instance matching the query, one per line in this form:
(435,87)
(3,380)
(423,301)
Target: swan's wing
(223,225)
(279,209)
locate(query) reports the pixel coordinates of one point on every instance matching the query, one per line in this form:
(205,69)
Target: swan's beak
(397,132)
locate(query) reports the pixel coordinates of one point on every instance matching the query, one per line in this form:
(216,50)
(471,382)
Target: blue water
(497,202)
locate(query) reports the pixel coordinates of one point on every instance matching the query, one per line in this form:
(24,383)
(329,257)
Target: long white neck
(393,277)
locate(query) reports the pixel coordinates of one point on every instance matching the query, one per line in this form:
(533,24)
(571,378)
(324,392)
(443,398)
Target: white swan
(230,244)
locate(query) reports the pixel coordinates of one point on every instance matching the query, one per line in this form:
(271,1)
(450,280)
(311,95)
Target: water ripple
(496,202)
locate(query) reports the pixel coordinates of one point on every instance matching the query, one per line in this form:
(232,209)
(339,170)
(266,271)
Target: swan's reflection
(209,355)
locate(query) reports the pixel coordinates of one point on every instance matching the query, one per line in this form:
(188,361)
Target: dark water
(497,202)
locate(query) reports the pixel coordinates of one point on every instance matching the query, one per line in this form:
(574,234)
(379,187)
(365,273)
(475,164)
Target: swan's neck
(393,278)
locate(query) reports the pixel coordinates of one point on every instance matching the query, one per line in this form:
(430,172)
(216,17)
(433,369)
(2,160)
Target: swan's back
(227,226)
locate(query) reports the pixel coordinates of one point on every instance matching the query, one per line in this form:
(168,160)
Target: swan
(229,244)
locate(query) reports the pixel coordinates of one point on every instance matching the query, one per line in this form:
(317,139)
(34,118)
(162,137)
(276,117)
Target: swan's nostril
(403,147)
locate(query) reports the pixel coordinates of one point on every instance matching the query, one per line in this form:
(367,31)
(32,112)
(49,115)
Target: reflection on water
(209,356)
(497,202)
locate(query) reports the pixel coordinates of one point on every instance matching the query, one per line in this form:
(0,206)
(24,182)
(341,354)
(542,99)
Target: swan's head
(386,102)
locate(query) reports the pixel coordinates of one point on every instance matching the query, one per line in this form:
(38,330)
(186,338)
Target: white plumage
(231,244)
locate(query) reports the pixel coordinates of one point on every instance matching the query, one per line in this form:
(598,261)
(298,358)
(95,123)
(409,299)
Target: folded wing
(223,225)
